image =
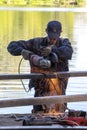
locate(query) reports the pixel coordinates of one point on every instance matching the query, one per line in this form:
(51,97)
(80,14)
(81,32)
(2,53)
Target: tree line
(44,2)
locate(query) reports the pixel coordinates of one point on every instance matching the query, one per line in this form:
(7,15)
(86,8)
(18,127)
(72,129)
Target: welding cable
(19,66)
(69,122)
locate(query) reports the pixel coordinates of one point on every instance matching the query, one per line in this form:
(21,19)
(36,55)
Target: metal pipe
(43,100)
(40,75)
(46,127)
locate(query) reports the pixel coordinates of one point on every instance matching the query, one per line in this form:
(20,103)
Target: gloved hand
(39,61)
(54,58)
(26,54)
(46,51)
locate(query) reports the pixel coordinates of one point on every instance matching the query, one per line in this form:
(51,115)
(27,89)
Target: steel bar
(43,100)
(54,127)
(40,75)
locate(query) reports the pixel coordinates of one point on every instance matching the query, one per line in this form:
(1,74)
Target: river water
(25,23)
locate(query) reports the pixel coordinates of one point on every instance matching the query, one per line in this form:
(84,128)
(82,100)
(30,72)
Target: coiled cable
(19,66)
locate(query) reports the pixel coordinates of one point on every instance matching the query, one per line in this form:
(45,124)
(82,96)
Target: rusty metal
(8,122)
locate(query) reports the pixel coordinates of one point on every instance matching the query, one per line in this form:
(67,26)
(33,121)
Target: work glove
(46,51)
(54,58)
(40,61)
(26,54)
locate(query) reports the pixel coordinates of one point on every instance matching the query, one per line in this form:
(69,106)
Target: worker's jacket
(44,86)
(62,48)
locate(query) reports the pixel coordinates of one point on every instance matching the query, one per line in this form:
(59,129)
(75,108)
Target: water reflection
(21,24)
(80,34)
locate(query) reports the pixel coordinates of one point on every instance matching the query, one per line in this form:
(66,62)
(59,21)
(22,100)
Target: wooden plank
(40,75)
(43,100)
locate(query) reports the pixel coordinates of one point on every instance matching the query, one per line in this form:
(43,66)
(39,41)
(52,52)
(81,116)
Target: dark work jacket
(63,49)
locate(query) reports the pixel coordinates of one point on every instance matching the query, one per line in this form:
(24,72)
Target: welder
(46,55)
